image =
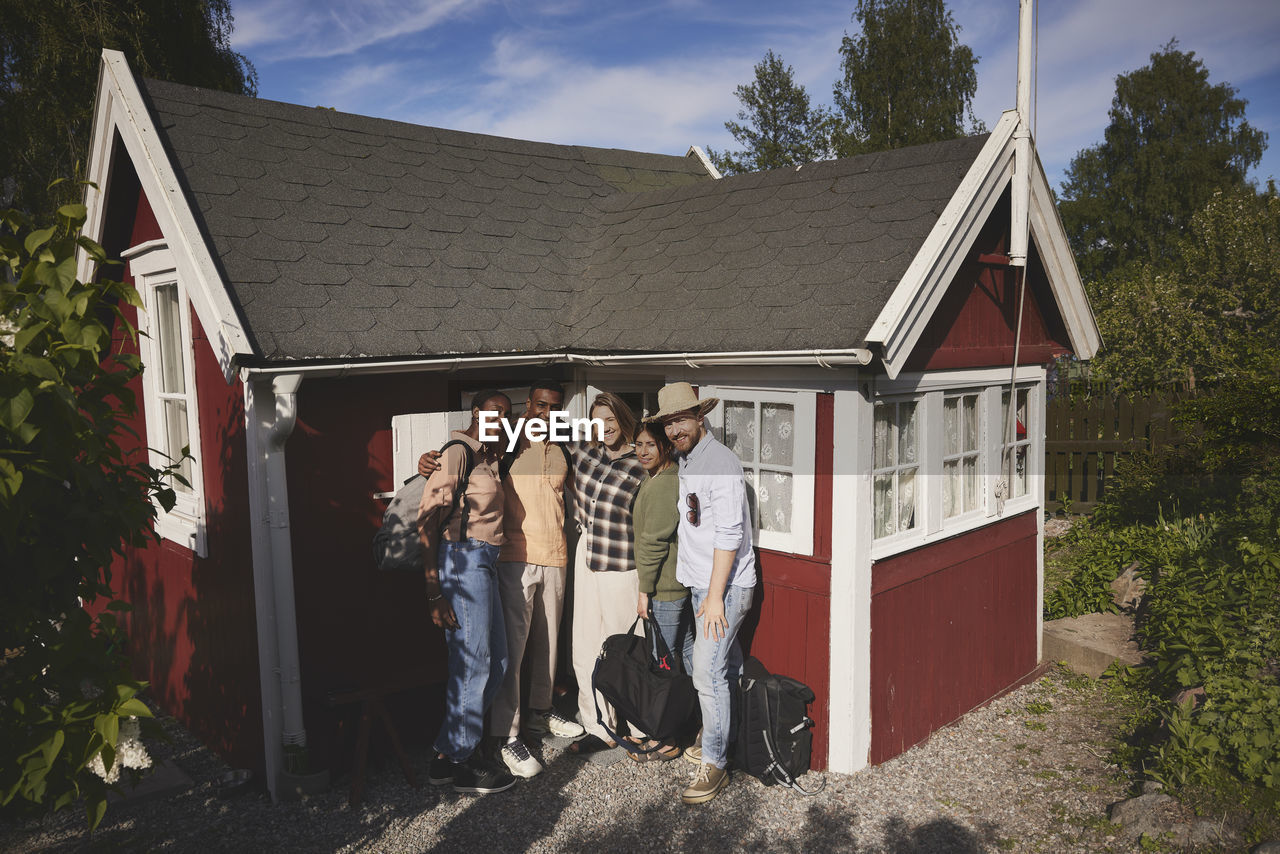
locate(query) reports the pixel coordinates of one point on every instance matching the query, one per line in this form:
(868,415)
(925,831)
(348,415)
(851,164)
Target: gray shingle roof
(343,236)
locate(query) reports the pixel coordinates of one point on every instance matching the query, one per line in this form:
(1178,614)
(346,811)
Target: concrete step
(1091,642)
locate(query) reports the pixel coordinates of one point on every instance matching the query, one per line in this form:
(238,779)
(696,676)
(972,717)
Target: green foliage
(50,51)
(70,500)
(1173,140)
(776,125)
(905,78)
(1208,313)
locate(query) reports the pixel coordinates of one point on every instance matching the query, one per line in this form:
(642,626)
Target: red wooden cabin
(309,275)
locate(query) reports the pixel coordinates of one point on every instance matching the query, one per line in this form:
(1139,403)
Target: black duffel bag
(647,693)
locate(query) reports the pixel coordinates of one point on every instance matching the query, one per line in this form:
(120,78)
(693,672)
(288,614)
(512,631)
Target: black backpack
(397,547)
(774,738)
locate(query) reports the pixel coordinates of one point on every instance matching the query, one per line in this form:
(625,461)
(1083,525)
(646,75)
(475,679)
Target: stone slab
(1090,643)
(162,780)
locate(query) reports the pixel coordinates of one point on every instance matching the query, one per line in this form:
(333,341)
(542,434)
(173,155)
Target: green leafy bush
(70,500)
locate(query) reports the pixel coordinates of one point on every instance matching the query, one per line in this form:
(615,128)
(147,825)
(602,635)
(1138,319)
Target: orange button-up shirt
(533,515)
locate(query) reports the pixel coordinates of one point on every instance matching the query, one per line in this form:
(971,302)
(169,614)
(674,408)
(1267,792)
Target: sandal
(656,752)
(590,744)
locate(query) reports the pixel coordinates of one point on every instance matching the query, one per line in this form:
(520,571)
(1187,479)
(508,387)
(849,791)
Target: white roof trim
(120,107)
(908,311)
(696,151)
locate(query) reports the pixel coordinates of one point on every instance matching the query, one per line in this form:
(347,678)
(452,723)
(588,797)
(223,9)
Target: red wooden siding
(974,324)
(952,624)
(789,629)
(192,631)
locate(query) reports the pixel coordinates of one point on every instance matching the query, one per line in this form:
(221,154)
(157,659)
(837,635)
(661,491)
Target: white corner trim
(696,151)
(849,703)
(907,312)
(121,108)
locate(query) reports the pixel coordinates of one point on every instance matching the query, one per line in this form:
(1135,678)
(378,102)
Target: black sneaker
(479,776)
(442,771)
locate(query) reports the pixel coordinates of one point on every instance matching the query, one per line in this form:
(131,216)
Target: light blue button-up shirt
(713,473)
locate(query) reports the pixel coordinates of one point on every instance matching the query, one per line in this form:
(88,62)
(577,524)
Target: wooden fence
(1085,435)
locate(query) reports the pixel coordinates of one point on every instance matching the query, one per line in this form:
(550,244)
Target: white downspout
(270,415)
(285,389)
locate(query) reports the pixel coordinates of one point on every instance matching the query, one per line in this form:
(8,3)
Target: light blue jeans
(477,648)
(716,665)
(674,621)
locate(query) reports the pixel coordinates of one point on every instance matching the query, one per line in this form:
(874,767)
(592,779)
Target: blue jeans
(716,665)
(674,620)
(477,648)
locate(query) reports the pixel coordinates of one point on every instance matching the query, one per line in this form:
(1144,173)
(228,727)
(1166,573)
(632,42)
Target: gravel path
(1026,773)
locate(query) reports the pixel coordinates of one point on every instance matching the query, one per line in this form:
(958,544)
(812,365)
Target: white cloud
(276,30)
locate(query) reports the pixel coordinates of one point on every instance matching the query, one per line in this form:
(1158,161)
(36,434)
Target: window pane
(1020,427)
(970,477)
(168,333)
(970,423)
(883,439)
(951,488)
(907,433)
(740,429)
(777,433)
(774,494)
(753,498)
(1020,471)
(882,489)
(906,499)
(951,425)
(175,419)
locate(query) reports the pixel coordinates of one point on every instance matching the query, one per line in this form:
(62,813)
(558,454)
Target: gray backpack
(397,547)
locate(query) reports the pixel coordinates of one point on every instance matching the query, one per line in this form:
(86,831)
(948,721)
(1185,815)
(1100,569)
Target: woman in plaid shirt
(605,585)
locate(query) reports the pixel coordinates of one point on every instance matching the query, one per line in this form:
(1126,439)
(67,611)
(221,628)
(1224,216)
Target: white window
(897,462)
(772,432)
(1018,451)
(938,453)
(962,453)
(169,394)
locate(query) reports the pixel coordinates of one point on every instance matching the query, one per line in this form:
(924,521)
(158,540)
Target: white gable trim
(908,311)
(120,108)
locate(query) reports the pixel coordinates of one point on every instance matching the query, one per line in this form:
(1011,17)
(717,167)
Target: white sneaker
(553,722)
(519,760)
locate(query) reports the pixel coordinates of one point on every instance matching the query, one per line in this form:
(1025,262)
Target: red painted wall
(952,625)
(192,629)
(790,626)
(974,325)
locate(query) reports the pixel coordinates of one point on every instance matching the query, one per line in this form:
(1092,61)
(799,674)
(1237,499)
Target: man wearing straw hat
(716,562)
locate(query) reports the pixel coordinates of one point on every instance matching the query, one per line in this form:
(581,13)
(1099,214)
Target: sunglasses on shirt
(693,515)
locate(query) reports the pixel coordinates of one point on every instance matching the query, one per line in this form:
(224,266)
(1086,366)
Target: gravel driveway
(1026,773)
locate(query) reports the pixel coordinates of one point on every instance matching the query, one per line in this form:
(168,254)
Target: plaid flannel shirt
(604,489)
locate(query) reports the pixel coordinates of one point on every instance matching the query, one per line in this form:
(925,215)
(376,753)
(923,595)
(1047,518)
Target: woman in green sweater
(655,516)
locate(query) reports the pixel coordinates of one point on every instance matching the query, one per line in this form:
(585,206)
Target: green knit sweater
(655,517)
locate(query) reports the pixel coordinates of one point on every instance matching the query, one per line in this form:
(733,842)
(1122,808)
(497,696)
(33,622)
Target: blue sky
(659,76)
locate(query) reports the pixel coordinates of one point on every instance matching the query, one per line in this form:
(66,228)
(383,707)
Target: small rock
(1151,787)
(1196,695)
(1210,833)
(1272,847)
(1139,815)
(1127,589)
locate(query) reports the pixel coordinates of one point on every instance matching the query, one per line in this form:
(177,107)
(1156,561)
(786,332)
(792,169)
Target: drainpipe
(285,389)
(1018,237)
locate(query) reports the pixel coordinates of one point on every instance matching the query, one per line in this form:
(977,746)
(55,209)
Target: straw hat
(675,398)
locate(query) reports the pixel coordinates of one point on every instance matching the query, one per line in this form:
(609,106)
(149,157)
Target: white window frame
(805,406)
(898,466)
(1012,447)
(152,266)
(979,450)
(929,392)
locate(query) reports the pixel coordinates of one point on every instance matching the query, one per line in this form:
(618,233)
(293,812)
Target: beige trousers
(604,603)
(532,598)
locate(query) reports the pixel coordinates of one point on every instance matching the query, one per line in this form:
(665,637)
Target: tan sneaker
(693,753)
(707,783)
